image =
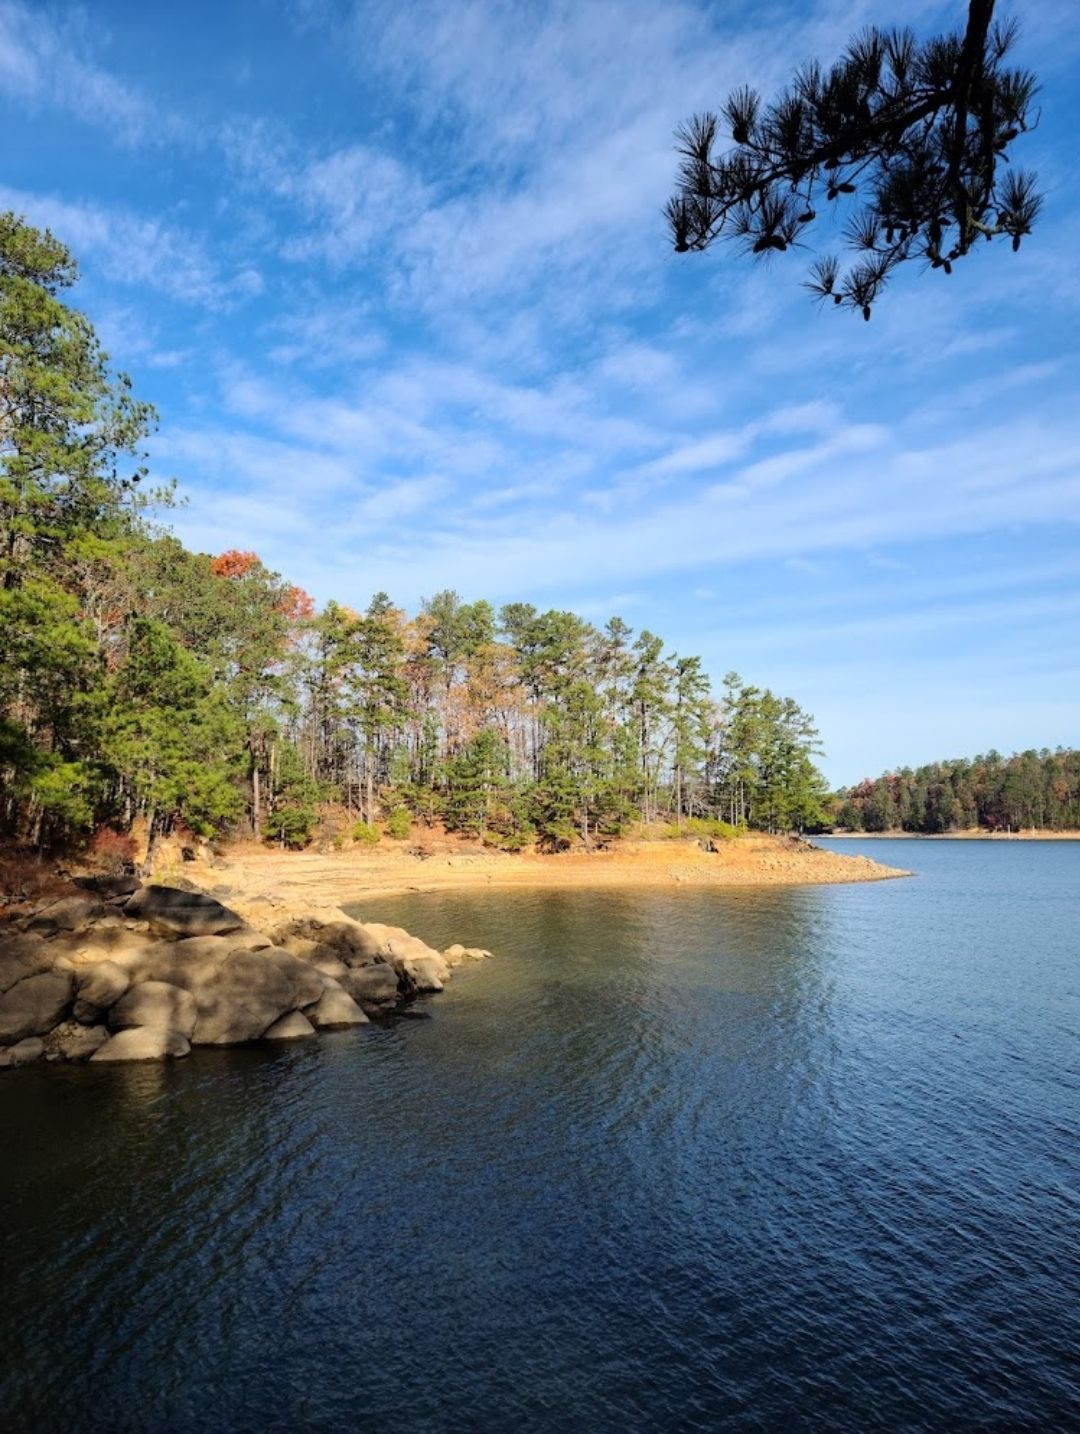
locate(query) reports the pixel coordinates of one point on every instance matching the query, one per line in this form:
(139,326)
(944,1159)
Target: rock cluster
(117,971)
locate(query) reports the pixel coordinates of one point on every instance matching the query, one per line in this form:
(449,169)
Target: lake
(791,1159)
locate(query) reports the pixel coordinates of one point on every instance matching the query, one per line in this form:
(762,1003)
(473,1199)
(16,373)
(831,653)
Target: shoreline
(256,874)
(257,946)
(971,834)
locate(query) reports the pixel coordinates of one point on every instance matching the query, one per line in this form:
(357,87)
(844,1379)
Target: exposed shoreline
(107,969)
(253,873)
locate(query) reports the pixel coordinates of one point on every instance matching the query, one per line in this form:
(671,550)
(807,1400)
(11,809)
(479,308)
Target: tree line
(142,681)
(1029,789)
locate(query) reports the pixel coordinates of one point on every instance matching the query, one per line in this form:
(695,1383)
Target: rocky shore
(255,947)
(114,970)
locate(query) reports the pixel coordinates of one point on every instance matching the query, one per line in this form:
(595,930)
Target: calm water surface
(775,1159)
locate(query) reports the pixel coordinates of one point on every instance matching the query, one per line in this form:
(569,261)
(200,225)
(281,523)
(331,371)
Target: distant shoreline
(1034,834)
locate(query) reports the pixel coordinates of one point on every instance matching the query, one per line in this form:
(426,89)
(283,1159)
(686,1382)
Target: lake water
(773,1159)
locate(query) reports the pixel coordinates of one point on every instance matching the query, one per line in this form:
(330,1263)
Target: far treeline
(1028,790)
(141,682)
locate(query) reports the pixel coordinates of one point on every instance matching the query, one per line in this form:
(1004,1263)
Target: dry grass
(24,877)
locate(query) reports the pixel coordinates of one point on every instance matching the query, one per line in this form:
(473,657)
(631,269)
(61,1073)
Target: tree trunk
(151,843)
(256,803)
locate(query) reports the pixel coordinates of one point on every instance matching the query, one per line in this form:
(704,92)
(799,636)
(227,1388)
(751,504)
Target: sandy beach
(252,872)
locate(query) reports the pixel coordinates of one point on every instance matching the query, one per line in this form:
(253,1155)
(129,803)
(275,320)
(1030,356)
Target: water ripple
(765,1160)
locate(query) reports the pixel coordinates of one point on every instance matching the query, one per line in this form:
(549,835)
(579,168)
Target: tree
(172,736)
(690,727)
(143,682)
(915,135)
(66,507)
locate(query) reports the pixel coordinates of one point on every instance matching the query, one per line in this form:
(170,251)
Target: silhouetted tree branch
(917,134)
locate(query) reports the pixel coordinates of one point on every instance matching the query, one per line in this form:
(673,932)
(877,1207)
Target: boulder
(315,953)
(338,936)
(419,966)
(156,1004)
(22,1053)
(335,1007)
(250,991)
(457,954)
(182,913)
(421,973)
(70,913)
(110,888)
(97,988)
(239,992)
(143,1043)
(24,954)
(34,1005)
(73,1042)
(373,988)
(291,1027)
(324,961)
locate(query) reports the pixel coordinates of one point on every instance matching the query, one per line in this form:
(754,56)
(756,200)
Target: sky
(396,277)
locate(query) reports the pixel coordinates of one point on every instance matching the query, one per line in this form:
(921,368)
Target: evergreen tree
(909,140)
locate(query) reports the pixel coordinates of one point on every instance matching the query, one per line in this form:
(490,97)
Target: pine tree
(909,139)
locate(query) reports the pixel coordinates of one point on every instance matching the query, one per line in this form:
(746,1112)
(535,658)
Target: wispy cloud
(397,280)
(43,60)
(139,252)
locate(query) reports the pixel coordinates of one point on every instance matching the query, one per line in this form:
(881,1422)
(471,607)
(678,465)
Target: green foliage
(399,823)
(476,785)
(1030,789)
(64,792)
(909,140)
(294,810)
(142,681)
(704,828)
(365,833)
(290,825)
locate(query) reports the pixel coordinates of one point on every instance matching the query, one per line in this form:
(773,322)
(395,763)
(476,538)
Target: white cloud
(360,198)
(135,251)
(43,59)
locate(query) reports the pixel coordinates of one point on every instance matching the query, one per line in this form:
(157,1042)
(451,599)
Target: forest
(142,682)
(1027,790)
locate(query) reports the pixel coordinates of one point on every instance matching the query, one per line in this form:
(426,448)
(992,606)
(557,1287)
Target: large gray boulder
(337,937)
(24,954)
(143,1043)
(291,1027)
(422,972)
(335,1007)
(323,961)
(157,1004)
(34,1005)
(110,888)
(249,992)
(22,1053)
(182,913)
(69,913)
(419,967)
(239,992)
(97,988)
(374,988)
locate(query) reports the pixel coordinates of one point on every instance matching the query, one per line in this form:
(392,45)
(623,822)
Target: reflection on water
(778,1158)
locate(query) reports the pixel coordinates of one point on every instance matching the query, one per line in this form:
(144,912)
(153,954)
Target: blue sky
(397,279)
